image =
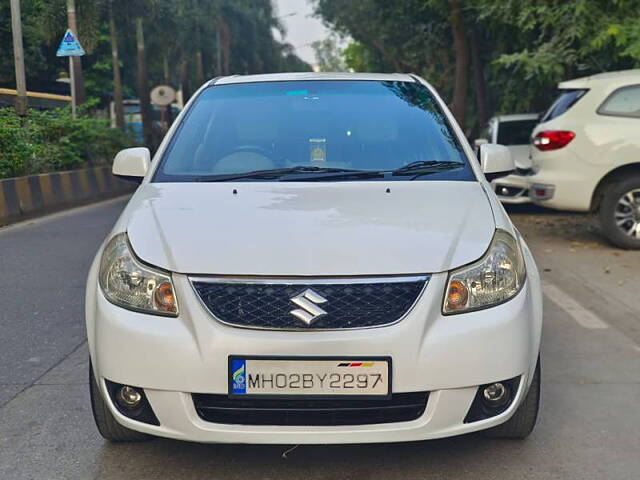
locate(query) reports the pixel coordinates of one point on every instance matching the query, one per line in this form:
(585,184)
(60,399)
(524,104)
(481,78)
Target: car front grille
(401,407)
(353,303)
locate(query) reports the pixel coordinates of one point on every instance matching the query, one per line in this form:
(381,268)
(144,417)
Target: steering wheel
(256,158)
(251,149)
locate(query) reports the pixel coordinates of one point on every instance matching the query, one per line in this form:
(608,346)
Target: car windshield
(314,131)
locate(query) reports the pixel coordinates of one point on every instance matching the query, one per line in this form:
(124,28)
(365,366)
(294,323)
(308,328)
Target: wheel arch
(611,178)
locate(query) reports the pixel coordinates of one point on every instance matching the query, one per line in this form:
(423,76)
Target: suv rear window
(563,103)
(624,102)
(359,126)
(515,132)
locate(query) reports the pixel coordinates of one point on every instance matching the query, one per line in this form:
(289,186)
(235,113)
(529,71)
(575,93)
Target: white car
(514,132)
(586,153)
(314,258)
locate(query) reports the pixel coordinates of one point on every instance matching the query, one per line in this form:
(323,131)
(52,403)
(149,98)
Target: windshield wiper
(341,174)
(426,166)
(328,173)
(272,173)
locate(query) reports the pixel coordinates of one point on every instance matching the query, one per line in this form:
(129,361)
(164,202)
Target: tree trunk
(199,69)
(18,56)
(479,81)
(184,81)
(117,82)
(218,51)
(76,63)
(143,86)
(461,47)
(165,69)
(225,45)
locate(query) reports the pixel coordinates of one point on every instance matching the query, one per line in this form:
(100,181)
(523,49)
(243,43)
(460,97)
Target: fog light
(495,395)
(492,399)
(128,397)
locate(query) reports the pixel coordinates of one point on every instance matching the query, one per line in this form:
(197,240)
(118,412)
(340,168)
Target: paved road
(588,429)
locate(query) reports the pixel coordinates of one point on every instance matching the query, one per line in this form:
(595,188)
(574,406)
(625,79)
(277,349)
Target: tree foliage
(518,50)
(53,140)
(329,55)
(175,31)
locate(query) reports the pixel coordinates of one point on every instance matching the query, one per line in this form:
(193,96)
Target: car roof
(297,76)
(620,78)
(516,117)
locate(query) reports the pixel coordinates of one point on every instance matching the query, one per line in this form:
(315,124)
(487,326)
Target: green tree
(329,55)
(488,56)
(185,42)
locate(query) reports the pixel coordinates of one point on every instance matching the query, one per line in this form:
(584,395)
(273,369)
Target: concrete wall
(25,197)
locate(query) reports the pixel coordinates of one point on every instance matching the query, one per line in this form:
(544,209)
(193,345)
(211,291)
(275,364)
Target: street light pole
(74,96)
(18,55)
(75,65)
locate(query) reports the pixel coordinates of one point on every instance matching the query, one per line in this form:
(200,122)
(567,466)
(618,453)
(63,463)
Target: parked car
(314,258)
(514,132)
(586,153)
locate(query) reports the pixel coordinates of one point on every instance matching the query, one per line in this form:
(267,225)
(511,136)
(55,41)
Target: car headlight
(494,279)
(126,282)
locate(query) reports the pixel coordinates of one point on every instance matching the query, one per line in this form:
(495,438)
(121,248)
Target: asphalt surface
(588,427)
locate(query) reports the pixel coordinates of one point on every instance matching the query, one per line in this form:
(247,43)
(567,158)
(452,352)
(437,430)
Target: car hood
(310,229)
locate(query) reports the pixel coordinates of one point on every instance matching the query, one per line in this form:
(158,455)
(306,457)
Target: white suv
(586,153)
(314,258)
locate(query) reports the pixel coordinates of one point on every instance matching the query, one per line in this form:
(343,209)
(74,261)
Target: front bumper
(171,358)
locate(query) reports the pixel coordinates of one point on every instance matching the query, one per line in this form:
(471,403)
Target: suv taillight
(553,139)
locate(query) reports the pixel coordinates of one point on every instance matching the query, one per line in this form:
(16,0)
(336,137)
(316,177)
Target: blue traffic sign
(69,47)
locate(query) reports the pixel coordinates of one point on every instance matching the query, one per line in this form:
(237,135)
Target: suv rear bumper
(568,183)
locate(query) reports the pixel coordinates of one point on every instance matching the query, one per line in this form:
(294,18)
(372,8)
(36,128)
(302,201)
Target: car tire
(521,424)
(107,425)
(609,207)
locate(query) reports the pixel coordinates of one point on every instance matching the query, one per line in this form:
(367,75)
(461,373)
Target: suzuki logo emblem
(309,310)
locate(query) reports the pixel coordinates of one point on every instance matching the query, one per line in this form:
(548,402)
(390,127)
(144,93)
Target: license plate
(303,376)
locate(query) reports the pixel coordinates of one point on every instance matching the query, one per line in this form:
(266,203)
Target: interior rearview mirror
(496,161)
(132,164)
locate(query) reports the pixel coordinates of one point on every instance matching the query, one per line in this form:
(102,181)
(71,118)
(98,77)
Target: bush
(52,140)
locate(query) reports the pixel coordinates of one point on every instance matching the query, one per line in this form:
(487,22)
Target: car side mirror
(132,164)
(496,161)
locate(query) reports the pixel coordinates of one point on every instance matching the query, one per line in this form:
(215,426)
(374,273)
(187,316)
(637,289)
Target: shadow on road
(173,459)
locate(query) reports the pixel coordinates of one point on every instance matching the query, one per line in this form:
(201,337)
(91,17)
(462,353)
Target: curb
(26,197)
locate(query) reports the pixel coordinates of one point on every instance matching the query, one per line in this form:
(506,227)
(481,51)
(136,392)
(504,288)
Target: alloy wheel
(627,214)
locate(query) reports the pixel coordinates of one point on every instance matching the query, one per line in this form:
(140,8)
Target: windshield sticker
(318,150)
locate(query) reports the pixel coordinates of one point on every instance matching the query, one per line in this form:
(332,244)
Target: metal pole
(76,62)
(18,55)
(73,88)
